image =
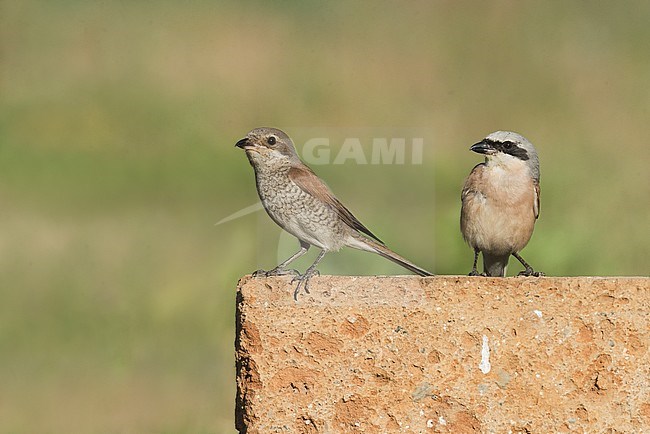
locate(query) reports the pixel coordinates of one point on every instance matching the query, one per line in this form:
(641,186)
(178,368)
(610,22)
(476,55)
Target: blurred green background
(117,126)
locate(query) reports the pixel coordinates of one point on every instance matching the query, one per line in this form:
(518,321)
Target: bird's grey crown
(531,158)
(268,131)
(284,143)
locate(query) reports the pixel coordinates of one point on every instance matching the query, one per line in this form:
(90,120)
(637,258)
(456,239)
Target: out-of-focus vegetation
(117,125)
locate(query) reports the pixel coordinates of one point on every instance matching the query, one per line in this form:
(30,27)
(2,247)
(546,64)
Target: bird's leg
(281,270)
(474,271)
(528,269)
(304,278)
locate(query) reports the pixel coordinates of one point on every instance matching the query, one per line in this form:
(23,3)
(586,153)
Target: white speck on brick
(485,366)
(430,423)
(538,313)
(442,421)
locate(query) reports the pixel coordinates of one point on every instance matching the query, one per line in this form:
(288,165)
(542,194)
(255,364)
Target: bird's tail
(495,266)
(387,253)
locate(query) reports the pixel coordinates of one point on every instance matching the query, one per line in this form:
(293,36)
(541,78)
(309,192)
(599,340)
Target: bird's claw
(303,280)
(283,272)
(529,272)
(476,273)
(276,272)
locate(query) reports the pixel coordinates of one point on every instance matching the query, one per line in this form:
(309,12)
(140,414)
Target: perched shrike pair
(301,204)
(501,202)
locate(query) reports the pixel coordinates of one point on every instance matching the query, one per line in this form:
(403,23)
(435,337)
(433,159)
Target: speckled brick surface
(444,354)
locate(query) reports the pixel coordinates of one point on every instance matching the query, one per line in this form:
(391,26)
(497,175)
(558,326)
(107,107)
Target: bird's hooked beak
(244,144)
(483,147)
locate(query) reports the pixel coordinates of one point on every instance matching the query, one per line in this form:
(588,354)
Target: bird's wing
(311,184)
(471,180)
(536,205)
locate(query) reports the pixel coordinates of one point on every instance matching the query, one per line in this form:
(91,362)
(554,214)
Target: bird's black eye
(507,145)
(271,140)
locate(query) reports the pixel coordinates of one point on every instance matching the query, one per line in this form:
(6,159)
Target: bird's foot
(529,272)
(259,273)
(475,272)
(283,272)
(303,280)
(275,272)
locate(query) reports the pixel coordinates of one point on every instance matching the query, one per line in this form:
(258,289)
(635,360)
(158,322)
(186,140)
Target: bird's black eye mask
(509,147)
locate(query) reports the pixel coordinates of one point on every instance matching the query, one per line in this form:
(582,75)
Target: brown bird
(301,204)
(501,202)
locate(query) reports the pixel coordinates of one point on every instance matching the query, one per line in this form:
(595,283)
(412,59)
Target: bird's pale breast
(298,212)
(498,209)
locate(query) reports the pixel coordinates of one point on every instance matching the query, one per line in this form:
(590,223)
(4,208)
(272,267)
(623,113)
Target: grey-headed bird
(301,204)
(500,202)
